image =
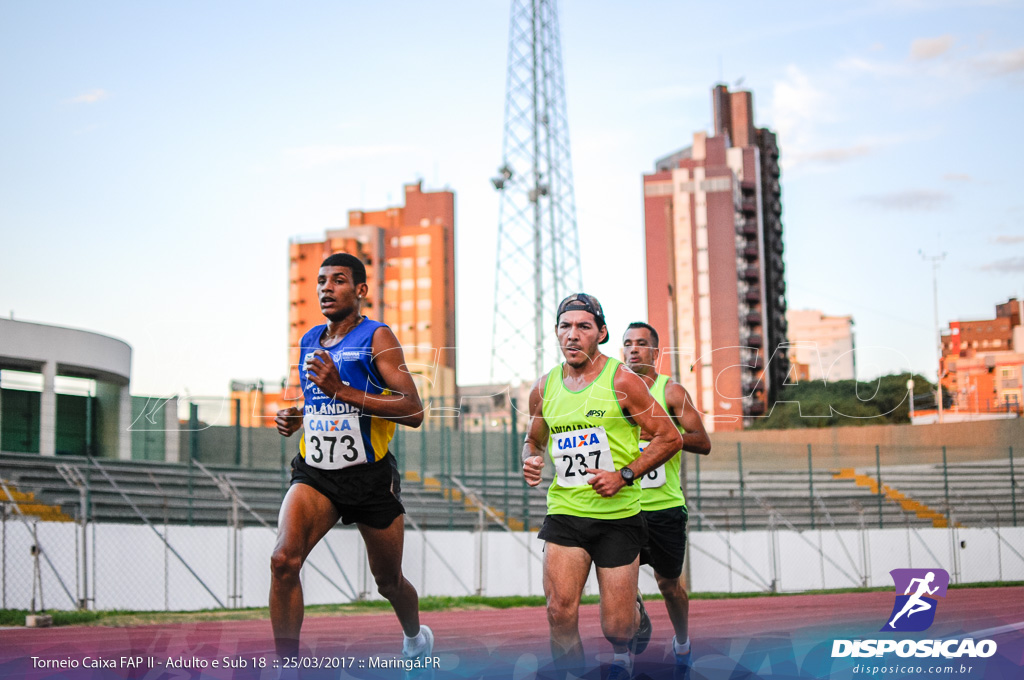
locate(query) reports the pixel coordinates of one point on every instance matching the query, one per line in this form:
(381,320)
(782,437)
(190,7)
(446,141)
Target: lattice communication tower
(538,259)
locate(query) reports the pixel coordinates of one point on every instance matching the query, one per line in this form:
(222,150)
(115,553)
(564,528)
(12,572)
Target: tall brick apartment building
(409,252)
(715,276)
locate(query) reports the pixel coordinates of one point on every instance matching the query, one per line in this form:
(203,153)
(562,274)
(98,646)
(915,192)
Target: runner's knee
(618,626)
(562,613)
(671,588)
(285,564)
(389,585)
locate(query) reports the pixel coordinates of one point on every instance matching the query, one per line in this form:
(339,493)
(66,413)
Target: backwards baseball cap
(585,303)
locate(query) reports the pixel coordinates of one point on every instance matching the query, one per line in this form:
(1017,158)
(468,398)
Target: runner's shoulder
(312,336)
(383,338)
(537,391)
(675,393)
(626,378)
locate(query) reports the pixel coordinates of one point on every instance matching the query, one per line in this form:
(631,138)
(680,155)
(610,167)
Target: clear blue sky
(155,158)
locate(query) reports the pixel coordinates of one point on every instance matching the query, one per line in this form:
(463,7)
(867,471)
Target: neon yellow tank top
(588,430)
(661,487)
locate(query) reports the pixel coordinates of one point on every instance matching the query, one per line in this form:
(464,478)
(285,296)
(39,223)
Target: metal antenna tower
(538,247)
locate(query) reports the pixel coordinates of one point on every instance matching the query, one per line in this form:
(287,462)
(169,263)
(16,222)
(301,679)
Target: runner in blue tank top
(355,388)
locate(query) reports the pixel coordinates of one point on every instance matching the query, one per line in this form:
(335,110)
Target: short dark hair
(649,327)
(354,264)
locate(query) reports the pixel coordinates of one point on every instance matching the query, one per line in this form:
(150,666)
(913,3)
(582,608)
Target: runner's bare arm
(686,415)
(402,405)
(636,401)
(536,436)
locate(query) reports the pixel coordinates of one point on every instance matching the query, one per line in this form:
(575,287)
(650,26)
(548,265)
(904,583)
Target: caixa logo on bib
(914,609)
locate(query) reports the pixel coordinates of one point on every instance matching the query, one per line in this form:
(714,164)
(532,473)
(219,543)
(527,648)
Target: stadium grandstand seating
(722,505)
(168,492)
(979,494)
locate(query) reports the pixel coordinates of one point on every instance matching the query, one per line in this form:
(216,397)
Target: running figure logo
(920,588)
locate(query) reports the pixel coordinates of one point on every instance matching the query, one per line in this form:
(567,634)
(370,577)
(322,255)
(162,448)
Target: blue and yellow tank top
(588,430)
(660,487)
(337,435)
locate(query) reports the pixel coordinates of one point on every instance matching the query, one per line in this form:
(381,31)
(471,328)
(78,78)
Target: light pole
(938,335)
(910,386)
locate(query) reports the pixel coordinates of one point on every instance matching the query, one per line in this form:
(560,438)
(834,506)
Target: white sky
(155,158)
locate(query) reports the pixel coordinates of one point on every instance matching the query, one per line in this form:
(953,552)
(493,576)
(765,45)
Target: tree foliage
(815,403)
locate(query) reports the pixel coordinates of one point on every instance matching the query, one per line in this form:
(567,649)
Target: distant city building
(255,405)
(824,344)
(409,252)
(987,383)
(982,361)
(715,277)
(490,406)
(798,372)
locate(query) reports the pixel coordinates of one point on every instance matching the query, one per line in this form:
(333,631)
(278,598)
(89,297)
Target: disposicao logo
(914,610)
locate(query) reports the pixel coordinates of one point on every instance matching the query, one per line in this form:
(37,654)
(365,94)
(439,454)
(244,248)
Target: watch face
(627,474)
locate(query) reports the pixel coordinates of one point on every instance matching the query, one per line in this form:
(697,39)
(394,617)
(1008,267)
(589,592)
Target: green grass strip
(117,618)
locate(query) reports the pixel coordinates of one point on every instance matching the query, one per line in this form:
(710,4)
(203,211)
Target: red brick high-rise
(715,276)
(409,252)
(982,362)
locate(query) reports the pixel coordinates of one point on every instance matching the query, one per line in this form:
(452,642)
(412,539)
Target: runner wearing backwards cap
(587,414)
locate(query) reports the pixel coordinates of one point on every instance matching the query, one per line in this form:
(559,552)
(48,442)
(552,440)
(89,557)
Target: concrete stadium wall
(135,570)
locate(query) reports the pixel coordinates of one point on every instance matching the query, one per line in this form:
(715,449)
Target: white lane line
(998,630)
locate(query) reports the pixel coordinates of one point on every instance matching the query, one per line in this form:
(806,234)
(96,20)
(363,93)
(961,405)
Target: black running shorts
(609,542)
(369,494)
(666,541)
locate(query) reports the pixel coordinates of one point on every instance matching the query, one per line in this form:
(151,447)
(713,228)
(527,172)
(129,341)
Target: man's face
(338,294)
(639,351)
(578,336)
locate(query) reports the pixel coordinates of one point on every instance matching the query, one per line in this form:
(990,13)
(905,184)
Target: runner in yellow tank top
(585,414)
(663,503)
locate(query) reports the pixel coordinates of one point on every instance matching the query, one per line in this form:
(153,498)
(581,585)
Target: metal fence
(882,486)
(90,532)
(52,559)
(446,442)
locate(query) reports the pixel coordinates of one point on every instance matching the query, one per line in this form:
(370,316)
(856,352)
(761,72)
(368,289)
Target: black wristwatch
(628,476)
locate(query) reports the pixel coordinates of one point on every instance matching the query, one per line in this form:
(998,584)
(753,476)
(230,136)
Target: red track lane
(524,629)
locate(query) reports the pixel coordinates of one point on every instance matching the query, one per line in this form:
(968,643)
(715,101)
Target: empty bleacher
(979,494)
(766,497)
(178,493)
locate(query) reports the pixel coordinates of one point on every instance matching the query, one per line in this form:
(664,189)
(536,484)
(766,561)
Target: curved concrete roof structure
(26,346)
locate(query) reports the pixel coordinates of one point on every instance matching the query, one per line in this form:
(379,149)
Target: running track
(513,642)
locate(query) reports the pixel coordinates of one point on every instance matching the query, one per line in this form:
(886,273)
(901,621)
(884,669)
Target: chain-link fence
(145,536)
(102,533)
